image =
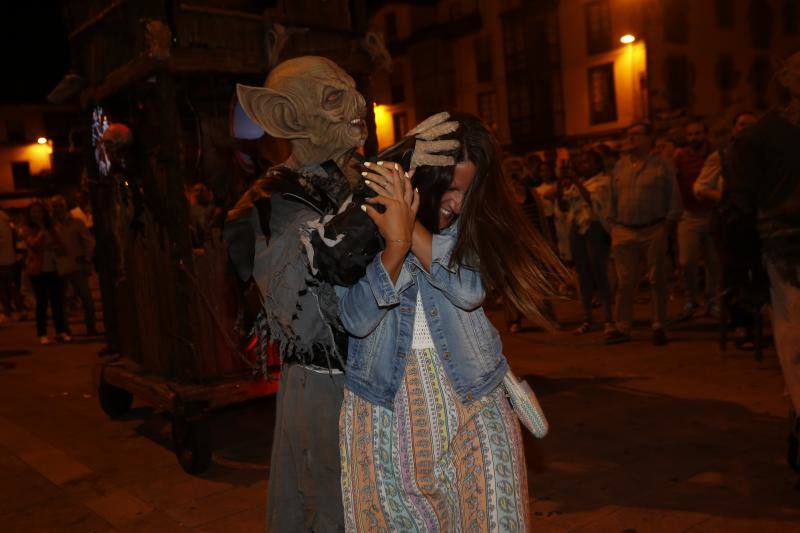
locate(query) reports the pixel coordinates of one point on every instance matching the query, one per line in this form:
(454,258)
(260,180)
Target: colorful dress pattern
(432,464)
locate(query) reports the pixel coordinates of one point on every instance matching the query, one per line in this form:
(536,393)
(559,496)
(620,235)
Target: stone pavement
(675,438)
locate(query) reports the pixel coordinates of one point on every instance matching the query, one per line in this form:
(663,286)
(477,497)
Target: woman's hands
(396,223)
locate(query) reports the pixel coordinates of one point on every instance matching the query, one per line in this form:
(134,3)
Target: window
(678,81)
(532,57)
(726,13)
(789,13)
(760,17)
(676,20)
(397,83)
(455,10)
(391,26)
(602,96)
(21,172)
(598,27)
(15,131)
(519,110)
(760,75)
(400,125)
(726,77)
(483,58)
(514,44)
(487,108)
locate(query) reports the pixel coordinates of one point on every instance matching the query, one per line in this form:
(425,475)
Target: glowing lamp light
(627,38)
(42,140)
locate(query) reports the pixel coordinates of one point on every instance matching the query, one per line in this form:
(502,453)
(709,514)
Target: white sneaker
(45,340)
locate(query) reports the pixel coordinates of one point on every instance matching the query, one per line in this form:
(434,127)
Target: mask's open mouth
(360,125)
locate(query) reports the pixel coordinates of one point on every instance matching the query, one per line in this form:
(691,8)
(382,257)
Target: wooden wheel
(192,440)
(114,401)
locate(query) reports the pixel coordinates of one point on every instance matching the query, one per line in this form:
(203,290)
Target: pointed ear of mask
(271,110)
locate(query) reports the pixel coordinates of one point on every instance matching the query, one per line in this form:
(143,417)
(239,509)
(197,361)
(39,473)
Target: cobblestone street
(675,438)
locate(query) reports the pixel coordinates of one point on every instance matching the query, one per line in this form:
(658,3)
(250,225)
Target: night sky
(35,50)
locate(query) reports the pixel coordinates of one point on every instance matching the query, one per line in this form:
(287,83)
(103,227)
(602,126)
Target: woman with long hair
(428,439)
(43,247)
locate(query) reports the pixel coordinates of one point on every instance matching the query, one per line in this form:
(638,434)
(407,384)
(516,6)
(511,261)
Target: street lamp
(628,39)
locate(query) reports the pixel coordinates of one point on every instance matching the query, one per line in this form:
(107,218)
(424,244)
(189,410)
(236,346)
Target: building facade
(545,72)
(37,150)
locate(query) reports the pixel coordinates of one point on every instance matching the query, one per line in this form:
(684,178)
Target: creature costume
(760,223)
(296,232)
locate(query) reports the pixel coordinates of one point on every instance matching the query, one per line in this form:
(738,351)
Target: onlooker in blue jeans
(585,199)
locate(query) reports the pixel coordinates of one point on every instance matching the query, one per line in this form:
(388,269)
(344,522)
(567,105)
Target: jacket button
(434,312)
(447,355)
(469,397)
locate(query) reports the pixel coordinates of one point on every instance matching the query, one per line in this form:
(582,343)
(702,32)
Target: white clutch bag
(525,404)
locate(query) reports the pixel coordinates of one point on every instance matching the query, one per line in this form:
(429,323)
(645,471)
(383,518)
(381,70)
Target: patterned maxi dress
(432,463)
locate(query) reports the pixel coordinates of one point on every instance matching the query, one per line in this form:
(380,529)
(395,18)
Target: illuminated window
(399,125)
(598,27)
(726,13)
(487,108)
(602,96)
(483,58)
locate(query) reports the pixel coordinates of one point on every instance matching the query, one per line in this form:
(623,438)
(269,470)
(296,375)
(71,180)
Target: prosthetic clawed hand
(423,145)
(428,147)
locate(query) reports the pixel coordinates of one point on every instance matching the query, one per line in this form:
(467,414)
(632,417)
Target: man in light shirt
(645,205)
(710,182)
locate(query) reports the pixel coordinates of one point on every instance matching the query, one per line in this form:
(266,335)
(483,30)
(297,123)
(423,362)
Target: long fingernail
(367,164)
(363,208)
(406,174)
(380,163)
(365,174)
(396,166)
(367,182)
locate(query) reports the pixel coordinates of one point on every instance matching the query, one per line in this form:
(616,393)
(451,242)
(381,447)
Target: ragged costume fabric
(763,190)
(299,311)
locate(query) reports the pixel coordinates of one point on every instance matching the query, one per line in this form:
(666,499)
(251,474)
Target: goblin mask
(313,103)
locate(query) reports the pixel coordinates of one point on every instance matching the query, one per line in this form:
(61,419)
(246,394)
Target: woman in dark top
(44,246)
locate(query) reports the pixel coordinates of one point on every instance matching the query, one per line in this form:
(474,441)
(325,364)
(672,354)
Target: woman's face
(453,198)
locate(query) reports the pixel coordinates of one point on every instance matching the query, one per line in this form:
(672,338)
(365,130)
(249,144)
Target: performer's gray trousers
(304,491)
(786,329)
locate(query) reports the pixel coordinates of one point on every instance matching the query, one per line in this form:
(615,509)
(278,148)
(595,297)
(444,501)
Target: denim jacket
(379,316)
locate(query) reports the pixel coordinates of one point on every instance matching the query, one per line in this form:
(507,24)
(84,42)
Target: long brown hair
(494,235)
